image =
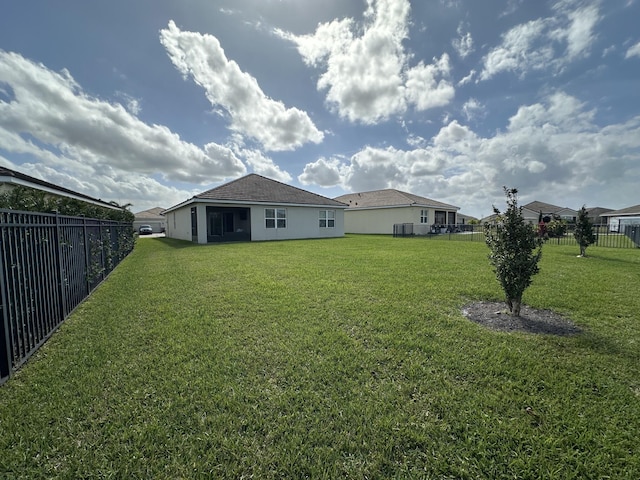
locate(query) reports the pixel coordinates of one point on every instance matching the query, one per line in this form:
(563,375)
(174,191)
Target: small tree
(557,227)
(584,231)
(516,250)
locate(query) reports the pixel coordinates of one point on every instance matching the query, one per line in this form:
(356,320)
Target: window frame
(424,216)
(328,217)
(275,220)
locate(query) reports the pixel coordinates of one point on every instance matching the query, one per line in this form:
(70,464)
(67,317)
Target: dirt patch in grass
(494,315)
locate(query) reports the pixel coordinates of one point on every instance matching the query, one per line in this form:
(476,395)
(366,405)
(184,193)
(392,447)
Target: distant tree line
(33,200)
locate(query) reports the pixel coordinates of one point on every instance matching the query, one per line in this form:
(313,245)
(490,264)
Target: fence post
(59,260)
(87,275)
(103,258)
(5,354)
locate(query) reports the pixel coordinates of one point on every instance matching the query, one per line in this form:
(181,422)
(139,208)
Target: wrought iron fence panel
(48,265)
(627,237)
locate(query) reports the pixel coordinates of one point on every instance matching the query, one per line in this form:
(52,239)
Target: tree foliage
(557,227)
(33,200)
(584,231)
(516,250)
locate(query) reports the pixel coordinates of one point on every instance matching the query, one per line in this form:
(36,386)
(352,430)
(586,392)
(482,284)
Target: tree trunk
(514,306)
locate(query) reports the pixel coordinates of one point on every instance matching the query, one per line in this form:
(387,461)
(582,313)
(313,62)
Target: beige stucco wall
(178,224)
(381,220)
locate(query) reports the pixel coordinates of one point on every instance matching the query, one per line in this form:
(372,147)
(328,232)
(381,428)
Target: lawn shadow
(594,342)
(172,242)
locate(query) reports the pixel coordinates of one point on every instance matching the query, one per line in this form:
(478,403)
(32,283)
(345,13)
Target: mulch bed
(495,316)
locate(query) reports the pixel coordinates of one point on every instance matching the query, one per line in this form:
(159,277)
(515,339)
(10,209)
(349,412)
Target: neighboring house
(596,215)
(620,218)
(378,211)
(255,208)
(532,211)
(152,217)
(465,219)
(11,178)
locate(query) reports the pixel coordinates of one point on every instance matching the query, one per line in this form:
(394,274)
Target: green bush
(556,227)
(584,231)
(32,200)
(516,250)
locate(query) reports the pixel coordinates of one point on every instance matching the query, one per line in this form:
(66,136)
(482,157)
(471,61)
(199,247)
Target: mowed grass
(341,358)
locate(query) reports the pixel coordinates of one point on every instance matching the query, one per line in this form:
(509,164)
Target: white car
(145,230)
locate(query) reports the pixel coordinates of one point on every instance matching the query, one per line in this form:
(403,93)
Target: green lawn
(341,358)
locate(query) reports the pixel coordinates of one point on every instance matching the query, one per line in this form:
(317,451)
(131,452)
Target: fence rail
(48,265)
(627,236)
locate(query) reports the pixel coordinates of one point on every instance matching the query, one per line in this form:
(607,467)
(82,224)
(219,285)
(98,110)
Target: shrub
(33,200)
(584,231)
(556,227)
(516,250)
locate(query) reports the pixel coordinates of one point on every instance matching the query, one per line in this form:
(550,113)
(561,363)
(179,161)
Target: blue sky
(150,102)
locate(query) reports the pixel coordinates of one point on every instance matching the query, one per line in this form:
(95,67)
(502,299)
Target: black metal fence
(49,264)
(628,236)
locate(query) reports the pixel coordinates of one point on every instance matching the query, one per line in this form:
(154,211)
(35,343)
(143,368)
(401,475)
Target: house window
(424,216)
(275,217)
(327,218)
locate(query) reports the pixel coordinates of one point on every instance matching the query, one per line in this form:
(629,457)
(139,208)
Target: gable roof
(254,188)
(389,198)
(629,211)
(536,206)
(15,178)
(596,212)
(152,213)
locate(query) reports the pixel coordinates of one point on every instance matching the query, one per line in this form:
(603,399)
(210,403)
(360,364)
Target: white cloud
(250,111)
(50,118)
(416,140)
(323,172)
(633,51)
(535,45)
(512,7)
(551,149)
(463,45)
(132,104)
(366,76)
(263,165)
(425,86)
(580,33)
(517,52)
(467,79)
(473,109)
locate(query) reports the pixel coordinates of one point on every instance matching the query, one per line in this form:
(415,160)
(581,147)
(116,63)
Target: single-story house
(532,210)
(376,212)
(597,215)
(152,217)
(255,208)
(549,210)
(622,217)
(10,179)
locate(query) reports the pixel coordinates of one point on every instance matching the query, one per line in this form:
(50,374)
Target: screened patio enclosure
(228,224)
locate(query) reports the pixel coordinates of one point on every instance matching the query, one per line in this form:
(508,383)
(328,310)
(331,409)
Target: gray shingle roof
(635,210)
(152,213)
(54,189)
(543,207)
(389,198)
(256,188)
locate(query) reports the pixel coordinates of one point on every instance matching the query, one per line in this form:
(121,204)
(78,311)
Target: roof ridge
(254,187)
